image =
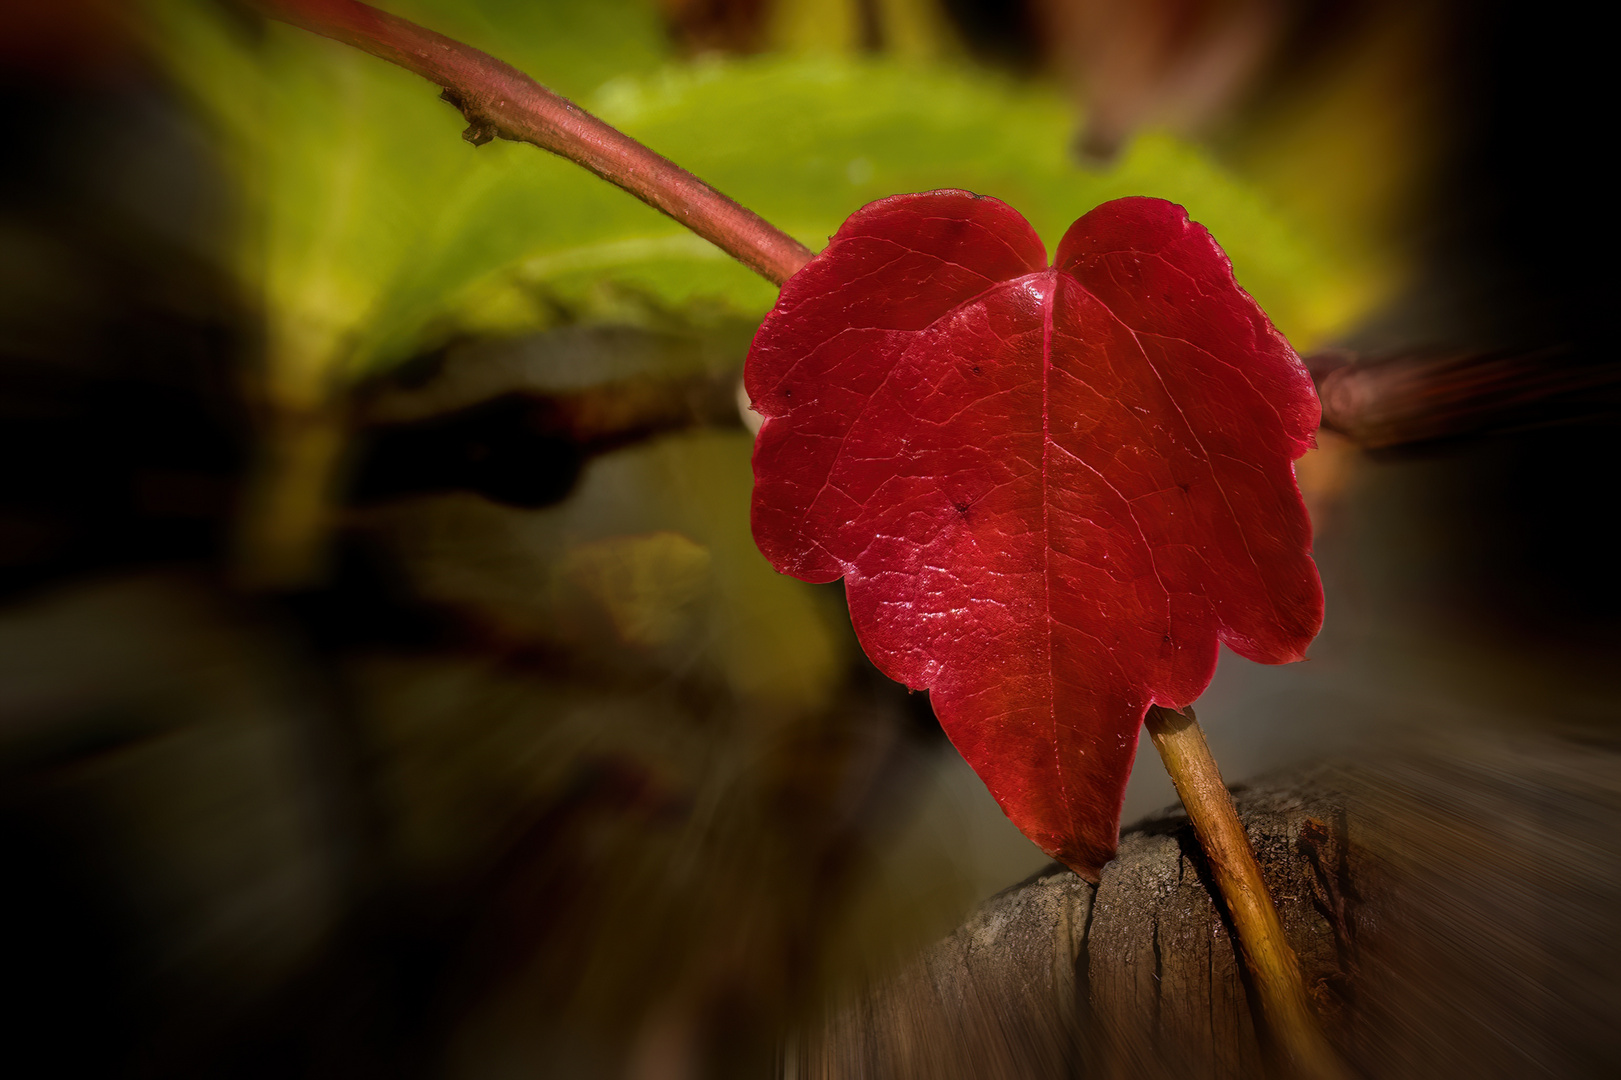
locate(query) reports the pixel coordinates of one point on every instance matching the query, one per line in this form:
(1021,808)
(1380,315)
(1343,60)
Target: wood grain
(1454,910)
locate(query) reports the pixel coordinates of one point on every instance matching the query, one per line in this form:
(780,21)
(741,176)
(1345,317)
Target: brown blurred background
(410,820)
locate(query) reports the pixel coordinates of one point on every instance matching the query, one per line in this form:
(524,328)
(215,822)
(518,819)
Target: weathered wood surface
(1456,913)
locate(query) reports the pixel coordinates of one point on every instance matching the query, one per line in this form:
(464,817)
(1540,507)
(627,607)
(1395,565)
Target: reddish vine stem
(1274,969)
(500,101)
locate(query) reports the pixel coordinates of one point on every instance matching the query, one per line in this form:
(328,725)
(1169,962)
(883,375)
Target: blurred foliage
(373,232)
(914,30)
(648,570)
(1349,144)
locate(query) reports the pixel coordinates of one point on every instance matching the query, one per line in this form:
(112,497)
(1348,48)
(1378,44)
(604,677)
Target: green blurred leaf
(363,209)
(374,231)
(810,140)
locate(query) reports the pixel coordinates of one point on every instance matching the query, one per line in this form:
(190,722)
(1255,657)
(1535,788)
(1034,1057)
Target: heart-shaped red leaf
(1050,489)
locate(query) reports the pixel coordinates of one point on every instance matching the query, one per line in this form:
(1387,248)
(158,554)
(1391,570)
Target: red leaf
(1050,490)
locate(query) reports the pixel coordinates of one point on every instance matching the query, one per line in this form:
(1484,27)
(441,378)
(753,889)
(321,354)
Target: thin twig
(1274,970)
(500,101)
